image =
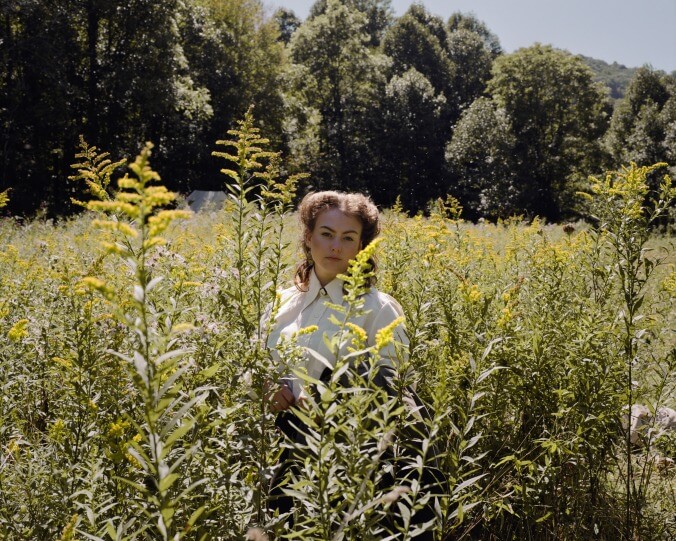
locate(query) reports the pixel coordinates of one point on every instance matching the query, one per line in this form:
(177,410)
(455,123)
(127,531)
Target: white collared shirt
(299,310)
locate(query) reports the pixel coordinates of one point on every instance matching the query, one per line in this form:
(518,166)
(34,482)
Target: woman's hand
(282,399)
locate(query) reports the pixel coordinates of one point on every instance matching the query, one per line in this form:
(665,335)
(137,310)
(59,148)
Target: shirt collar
(334,290)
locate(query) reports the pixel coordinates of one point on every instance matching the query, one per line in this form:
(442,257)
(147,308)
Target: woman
(335,227)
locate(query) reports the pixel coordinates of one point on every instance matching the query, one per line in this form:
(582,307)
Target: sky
(629,32)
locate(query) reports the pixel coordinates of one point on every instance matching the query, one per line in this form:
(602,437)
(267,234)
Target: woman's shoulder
(288,291)
(288,294)
(379,299)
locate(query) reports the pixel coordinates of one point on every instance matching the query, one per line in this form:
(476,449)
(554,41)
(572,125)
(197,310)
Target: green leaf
(167,481)
(181,431)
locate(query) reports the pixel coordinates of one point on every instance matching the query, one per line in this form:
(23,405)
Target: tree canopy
(362,100)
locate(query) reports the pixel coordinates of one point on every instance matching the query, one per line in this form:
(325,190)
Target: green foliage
(557,115)
(615,77)
(287,22)
(178,73)
(642,130)
(232,49)
(473,61)
(157,365)
(134,371)
(464,21)
(484,167)
(181,72)
(624,224)
(413,124)
(418,40)
(333,85)
(378,13)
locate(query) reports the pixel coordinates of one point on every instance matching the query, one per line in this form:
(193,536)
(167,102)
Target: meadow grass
(133,374)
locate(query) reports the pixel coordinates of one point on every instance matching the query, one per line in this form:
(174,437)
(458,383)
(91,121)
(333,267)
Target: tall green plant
(259,201)
(626,224)
(157,365)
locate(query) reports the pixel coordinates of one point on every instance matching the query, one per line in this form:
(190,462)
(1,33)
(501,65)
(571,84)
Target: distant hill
(615,76)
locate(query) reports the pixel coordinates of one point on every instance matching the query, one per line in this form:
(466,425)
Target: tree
(463,21)
(114,71)
(480,157)
(333,86)
(473,62)
(287,23)
(234,51)
(410,152)
(378,13)
(178,73)
(643,126)
(422,85)
(418,40)
(42,91)
(558,116)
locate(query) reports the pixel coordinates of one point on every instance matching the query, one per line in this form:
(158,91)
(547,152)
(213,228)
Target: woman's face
(335,240)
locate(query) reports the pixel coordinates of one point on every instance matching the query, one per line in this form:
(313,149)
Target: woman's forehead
(336,220)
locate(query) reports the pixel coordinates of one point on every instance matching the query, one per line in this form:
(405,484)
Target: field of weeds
(133,371)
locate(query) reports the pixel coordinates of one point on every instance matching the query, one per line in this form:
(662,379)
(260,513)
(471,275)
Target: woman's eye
(349,239)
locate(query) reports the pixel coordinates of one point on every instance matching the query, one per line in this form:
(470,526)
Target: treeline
(415,106)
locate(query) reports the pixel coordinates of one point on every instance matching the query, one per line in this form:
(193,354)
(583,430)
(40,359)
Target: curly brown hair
(357,205)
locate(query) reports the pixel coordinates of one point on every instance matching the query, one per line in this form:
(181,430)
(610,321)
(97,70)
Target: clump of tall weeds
(627,213)
(162,448)
(134,370)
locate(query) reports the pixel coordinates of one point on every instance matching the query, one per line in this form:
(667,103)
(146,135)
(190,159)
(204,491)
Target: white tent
(201,200)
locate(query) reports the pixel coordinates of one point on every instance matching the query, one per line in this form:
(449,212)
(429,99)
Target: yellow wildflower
(18,331)
(505,318)
(669,283)
(359,335)
(306,330)
(57,431)
(117,429)
(13,446)
(385,336)
(99,285)
(68,533)
(474,294)
(63,362)
(112,225)
(182,327)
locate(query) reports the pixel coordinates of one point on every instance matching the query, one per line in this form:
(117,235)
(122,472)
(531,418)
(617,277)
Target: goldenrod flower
(182,327)
(57,431)
(385,336)
(306,330)
(474,294)
(117,429)
(63,362)
(18,330)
